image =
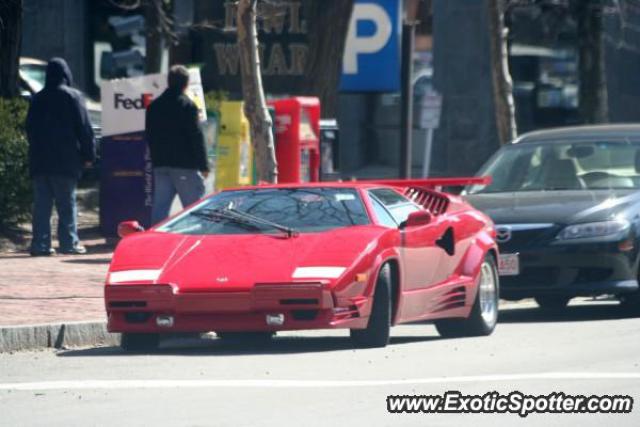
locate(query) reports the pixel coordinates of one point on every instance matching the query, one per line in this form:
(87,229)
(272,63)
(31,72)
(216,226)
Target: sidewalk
(53,289)
(54,301)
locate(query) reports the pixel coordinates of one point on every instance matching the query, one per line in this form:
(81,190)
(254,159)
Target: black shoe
(76,250)
(50,252)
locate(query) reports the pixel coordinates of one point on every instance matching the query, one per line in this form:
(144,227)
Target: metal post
(406,112)
(427,154)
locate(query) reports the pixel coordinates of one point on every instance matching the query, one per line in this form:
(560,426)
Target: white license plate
(509,265)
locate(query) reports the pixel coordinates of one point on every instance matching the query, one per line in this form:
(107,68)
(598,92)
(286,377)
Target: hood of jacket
(58,73)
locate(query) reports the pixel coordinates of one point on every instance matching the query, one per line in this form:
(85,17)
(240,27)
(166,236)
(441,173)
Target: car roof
(25,60)
(591,132)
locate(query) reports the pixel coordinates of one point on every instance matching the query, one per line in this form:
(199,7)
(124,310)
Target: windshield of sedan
(35,74)
(557,166)
(270,210)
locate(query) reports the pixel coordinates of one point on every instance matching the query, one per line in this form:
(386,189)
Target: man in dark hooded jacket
(60,143)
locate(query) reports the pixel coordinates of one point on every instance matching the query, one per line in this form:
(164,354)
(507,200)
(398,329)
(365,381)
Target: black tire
(246,338)
(552,303)
(139,342)
(476,324)
(631,303)
(376,334)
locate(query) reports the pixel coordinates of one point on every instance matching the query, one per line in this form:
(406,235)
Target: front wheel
(484,313)
(376,334)
(631,302)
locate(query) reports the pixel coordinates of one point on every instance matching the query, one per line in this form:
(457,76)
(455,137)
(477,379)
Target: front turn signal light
(362,277)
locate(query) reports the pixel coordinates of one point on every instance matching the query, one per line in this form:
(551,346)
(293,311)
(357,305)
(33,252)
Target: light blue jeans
(46,191)
(187,183)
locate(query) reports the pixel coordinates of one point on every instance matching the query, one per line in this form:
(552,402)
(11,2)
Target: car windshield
(556,166)
(35,74)
(271,210)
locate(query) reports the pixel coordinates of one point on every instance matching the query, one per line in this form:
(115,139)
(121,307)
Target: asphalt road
(318,379)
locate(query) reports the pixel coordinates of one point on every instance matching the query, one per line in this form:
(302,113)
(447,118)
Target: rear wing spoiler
(428,192)
(432,183)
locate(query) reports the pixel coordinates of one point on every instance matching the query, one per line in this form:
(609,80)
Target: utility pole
(406,111)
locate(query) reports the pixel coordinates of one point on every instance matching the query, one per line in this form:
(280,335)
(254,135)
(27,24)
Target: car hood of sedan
(237,262)
(553,207)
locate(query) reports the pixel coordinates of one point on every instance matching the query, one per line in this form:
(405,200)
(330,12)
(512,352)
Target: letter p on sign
(357,45)
(371,60)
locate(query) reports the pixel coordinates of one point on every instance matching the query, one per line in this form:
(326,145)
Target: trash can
(329,150)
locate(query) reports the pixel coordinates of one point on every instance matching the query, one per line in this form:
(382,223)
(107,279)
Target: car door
(420,256)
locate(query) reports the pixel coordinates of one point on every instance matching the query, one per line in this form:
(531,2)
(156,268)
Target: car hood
(237,262)
(553,207)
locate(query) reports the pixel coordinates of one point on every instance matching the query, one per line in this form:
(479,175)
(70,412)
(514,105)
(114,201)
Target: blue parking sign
(371,61)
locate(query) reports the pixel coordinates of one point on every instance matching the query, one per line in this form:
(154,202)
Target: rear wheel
(376,334)
(552,303)
(484,313)
(139,342)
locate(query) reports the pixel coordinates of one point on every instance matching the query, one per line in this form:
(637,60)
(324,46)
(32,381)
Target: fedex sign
(141,103)
(124,101)
(371,61)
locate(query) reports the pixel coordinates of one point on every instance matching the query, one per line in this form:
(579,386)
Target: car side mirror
(416,219)
(129,227)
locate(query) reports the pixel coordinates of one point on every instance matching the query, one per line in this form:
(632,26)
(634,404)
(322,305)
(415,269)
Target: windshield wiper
(211,215)
(244,217)
(290,231)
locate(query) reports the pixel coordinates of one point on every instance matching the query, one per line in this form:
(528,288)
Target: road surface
(319,379)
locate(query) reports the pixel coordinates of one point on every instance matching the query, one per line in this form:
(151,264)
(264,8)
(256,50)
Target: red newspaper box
(297,139)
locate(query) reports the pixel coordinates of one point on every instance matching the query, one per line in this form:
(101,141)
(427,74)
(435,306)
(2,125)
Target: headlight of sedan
(593,230)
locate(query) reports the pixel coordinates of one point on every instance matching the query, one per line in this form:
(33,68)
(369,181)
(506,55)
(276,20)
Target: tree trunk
(326,48)
(255,105)
(10,41)
(502,84)
(153,14)
(593,89)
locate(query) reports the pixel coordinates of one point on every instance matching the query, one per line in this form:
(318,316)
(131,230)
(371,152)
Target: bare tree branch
(10,40)
(255,105)
(502,85)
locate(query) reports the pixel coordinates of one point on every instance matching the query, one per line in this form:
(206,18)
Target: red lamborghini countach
(248,262)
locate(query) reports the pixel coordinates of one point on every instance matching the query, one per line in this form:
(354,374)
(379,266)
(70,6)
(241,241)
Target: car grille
(522,237)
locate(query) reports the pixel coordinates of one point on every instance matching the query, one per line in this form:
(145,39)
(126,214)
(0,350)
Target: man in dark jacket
(177,146)
(60,144)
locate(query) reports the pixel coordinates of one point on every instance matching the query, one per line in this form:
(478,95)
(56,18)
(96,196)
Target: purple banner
(126,191)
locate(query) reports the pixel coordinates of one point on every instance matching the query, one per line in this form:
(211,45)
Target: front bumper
(572,270)
(135,308)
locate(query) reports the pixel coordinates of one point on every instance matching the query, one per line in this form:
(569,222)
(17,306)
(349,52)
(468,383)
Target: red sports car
(252,261)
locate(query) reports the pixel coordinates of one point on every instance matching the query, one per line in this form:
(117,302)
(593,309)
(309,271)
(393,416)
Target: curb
(86,334)
(60,335)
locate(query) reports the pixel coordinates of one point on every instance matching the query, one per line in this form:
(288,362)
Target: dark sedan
(566,204)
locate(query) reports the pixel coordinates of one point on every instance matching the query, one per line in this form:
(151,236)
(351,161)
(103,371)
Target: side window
(397,205)
(389,197)
(383,216)
(401,213)
(533,170)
